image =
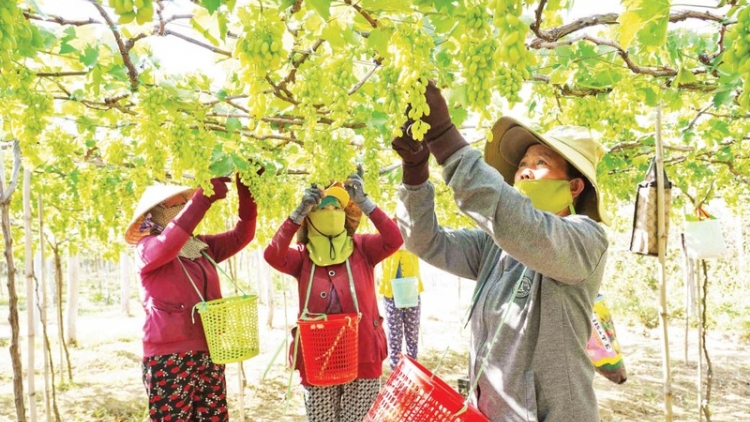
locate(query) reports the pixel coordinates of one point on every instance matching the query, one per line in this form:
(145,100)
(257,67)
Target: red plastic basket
(413,394)
(330,348)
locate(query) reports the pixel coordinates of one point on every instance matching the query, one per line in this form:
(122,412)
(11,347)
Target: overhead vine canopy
(309,88)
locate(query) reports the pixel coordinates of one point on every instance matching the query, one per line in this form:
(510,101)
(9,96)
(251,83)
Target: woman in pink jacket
(328,249)
(181,380)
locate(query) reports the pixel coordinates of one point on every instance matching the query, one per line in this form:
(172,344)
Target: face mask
(547,195)
(327,222)
(327,242)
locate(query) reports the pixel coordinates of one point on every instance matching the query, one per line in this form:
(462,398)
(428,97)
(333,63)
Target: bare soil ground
(106,382)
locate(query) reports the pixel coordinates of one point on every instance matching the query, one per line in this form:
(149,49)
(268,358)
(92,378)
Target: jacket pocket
(167,322)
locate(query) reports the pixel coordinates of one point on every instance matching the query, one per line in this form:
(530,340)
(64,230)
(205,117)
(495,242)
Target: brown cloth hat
(511,139)
(152,196)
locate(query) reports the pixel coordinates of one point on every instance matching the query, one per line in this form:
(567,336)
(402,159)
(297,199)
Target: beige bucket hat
(152,196)
(511,139)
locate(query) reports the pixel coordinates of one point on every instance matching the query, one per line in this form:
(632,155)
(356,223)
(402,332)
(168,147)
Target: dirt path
(107,385)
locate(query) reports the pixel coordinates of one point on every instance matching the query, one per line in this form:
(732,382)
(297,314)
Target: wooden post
(42,280)
(73,286)
(30,307)
(662,244)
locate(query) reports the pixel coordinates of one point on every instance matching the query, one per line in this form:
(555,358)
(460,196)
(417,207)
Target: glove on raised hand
(196,208)
(443,139)
(414,159)
(310,199)
(355,187)
(220,188)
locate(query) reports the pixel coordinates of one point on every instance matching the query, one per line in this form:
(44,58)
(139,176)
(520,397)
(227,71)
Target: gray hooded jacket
(536,369)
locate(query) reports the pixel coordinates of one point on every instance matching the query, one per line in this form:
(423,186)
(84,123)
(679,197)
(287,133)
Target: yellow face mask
(547,195)
(328,243)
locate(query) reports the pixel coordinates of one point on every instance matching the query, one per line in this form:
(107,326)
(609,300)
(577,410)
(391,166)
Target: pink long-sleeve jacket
(369,249)
(167,294)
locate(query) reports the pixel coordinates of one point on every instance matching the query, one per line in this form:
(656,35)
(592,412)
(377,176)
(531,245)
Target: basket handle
(203,301)
(703,214)
(237,286)
(306,312)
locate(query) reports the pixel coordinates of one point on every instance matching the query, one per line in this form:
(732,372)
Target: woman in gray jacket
(538,254)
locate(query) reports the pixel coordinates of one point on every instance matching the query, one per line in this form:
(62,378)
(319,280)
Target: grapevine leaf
(211,5)
(323,7)
(70,35)
(684,77)
(647,19)
(233,124)
(459,115)
(119,72)
(334,35)
(379,39)
(90,56)
(378,119)
(222,166)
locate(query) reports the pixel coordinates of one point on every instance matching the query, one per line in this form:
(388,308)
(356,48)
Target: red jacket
(369,249)
(166,292)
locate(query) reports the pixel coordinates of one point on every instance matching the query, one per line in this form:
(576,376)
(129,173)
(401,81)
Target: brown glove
(415,159)
(443,139)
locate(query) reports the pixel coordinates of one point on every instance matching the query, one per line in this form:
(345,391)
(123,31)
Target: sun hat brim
(152,196)
(339,193)
(511,139)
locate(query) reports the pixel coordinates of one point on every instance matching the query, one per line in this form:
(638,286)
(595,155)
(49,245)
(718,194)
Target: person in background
(325,249)
(537,253)
(181,381)
(403,323)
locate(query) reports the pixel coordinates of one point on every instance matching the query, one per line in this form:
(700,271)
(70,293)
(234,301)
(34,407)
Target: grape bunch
(342,79)
(737,56)
(141,11)
(477,59)
(510,81)
(17,35)
(414,48)
(512,32)
(260,47)
(477,19)
(308,89)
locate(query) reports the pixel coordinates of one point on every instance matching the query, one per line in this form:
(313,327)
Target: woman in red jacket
(328,249)
(181,380)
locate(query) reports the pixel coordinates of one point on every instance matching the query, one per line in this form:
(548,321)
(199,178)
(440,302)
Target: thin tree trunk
(662,246)
(15,354)
(64,356)
(709,370)
(72,302)
(31,317)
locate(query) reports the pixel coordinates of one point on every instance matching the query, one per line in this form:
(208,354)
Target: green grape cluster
(141,11)
(737,56)
(512,32)
(414,48)
(17,35)
(478,69)
(308,90)
(261,47)
(342,79)
(509,82)
(477,19)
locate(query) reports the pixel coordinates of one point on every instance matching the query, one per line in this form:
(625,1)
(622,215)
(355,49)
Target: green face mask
(547,195)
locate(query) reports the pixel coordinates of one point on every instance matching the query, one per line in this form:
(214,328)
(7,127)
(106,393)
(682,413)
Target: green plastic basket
(231,327)
(405,292)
